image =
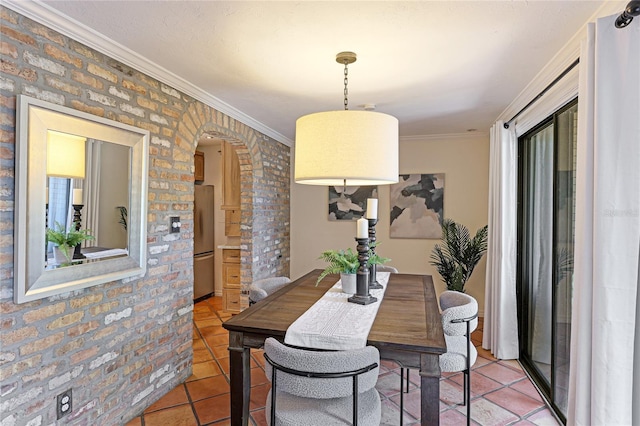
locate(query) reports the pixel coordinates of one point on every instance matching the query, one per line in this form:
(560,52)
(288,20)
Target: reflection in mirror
(81,200)
(87,190)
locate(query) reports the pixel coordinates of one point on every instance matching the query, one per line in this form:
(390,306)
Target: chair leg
(467,396)
(402,394)
(408,380)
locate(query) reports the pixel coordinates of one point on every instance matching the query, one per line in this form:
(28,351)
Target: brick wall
(122,345)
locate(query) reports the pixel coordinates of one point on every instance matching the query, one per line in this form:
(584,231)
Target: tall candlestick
(362,228)
(77,197)
(372,208)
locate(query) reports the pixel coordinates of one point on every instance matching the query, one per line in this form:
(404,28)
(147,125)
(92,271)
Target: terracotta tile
(220,351)
(486,354)
(514,401)
(451,392)
(208,323)
(201,355)
(487,413)
(181,415)
(480,361)
(216,340)
(411,402)
(391,414)
(543,418)
(258,396)
(500,373)
(526,387)
(203,370)
(389,365)
(224,364)
(480,384)
(523,423)
(208,387)
(226,422)
(388,383)
(258,377)
(198,344)
(204,315)
(213,330)
(512,364)
(453,418)
(136,421)
(259,417)
(213,409)
(176,396)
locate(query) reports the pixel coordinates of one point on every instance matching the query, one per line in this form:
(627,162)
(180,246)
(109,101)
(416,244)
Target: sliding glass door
(546,181)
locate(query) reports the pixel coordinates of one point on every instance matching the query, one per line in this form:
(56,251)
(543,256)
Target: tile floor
(501,393)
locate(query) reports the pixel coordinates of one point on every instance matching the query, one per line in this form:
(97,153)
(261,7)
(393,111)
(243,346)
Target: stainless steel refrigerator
(203,241)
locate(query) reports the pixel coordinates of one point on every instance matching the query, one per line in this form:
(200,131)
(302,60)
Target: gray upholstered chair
(260,289)
(310,387)
(386,268)
(459,320)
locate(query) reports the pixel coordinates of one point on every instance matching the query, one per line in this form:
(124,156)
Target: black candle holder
(362,296)
(77,219)
(373,269)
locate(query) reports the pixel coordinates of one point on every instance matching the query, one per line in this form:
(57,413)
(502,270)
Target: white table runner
(334,323)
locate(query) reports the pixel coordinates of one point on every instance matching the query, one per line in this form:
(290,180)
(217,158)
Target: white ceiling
(438,66)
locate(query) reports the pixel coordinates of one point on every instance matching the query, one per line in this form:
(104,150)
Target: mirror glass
(96,202)
(81,191)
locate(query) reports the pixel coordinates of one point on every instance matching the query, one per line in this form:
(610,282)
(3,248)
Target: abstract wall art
(349,204)
(416,203)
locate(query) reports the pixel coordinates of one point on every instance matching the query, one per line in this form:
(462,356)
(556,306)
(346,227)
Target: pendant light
(350,148)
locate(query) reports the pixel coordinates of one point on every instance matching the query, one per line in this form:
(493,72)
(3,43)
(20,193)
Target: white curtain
(91,211)
(500,334)
(604,359)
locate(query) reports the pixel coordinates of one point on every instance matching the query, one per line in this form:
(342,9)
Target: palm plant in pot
(459,253)
(67,241)
(346,263)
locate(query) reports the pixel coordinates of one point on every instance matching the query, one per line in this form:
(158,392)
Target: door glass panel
(546,219)
(539,237)
(564,240)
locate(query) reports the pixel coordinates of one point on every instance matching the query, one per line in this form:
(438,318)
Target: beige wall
(464,159)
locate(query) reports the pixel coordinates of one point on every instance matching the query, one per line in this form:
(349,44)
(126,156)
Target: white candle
(372,208)
(77,196)
(363,228)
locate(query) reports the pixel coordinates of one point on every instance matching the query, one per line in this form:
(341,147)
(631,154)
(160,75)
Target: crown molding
(560,61)
(445,136)
(53,19)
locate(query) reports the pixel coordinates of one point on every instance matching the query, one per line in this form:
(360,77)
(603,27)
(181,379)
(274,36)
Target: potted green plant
(67,241)
(346,263)
(459,253)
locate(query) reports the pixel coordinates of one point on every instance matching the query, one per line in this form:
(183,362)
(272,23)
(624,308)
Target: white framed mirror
(92,181)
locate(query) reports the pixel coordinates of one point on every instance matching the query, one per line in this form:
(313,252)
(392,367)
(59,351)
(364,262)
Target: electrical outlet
(64,404)
(174,222)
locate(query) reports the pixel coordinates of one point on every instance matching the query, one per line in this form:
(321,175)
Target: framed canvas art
(416,203)
(349,204)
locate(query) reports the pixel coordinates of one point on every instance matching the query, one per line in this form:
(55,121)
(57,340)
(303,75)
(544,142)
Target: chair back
(321,362)
(386,268)
(457,306)
(262,288)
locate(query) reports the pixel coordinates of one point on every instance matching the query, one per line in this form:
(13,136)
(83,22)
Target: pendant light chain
(346,81)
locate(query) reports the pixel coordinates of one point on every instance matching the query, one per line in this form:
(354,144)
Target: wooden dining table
(407,330)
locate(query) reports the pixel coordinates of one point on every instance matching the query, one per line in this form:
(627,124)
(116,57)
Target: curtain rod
(545,90)
(625,18)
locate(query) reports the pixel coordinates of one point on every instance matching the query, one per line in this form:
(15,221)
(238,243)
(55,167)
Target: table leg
(240,377)
(430,389)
